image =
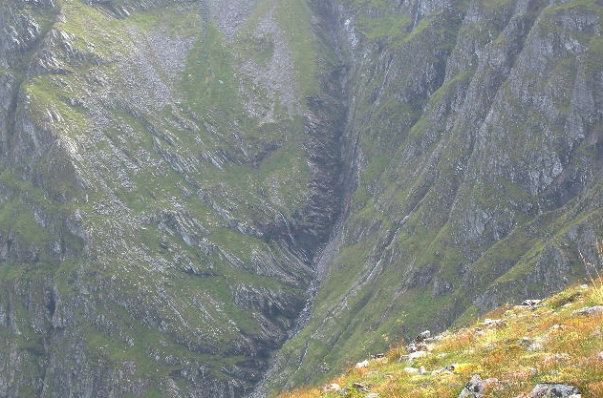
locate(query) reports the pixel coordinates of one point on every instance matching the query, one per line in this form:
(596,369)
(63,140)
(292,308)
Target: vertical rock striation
(474,134)
(162,199)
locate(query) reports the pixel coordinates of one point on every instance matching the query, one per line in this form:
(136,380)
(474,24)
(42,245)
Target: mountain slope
(160,178)
(186,184)
(477,169)
(524,350)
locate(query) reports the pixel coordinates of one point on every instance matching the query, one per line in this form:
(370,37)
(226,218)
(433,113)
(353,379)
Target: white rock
(494,322)
(413,355)
(536,346)
(590,311)
(331,387)
(531,303)
(423,335)
(543,390)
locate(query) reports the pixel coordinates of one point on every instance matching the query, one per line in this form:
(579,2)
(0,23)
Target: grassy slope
(570,353)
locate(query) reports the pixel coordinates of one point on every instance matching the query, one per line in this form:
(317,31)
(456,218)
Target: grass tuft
(594,273)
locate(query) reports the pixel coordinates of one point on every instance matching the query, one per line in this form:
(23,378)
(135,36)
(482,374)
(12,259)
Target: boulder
(445,369)
(423,336)
(531,303)
(413,347)
(589,311)
(494,323)
(413,355)
(334,387)
(476,387)
(360,387)
(554,390)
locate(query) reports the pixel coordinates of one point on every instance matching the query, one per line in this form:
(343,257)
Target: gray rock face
(154,240)
(476,168)
(423,336)
(550,390)
(476,387)
(590,311)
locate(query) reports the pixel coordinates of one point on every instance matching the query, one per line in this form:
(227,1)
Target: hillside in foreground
(549,348)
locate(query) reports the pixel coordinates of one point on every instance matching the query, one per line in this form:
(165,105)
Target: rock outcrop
(476,165)
(162,201)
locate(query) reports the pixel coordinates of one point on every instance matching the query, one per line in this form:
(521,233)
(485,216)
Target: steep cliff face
(169,170)
(176,176)
(477,169)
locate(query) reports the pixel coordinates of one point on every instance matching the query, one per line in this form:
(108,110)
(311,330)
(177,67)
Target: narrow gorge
(205,198)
